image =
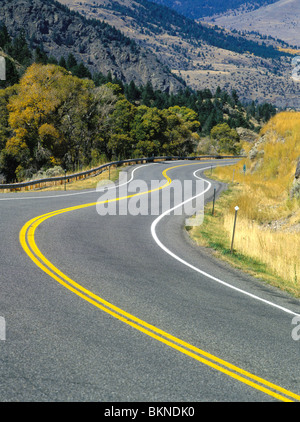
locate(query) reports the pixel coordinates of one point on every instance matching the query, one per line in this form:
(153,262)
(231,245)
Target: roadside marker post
(65,179)
(234,225)
(213,209)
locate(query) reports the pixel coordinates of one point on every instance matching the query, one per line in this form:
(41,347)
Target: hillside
(205,57)
(280,20)
(56,29)
(56,118)
(53,118)
(268,197)
(198,8)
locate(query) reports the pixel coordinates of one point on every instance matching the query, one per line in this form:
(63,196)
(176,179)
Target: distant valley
(279,20)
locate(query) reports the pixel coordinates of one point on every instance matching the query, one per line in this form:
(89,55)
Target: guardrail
(39,183)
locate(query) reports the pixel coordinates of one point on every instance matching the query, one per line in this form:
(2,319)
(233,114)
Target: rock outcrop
(295,191)
(98,45)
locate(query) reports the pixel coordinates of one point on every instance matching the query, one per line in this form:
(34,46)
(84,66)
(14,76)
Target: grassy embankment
(267,237)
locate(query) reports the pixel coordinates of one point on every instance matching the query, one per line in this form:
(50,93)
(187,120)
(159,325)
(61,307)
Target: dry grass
(289,50)
(88,183)
(277,249)
(268,223)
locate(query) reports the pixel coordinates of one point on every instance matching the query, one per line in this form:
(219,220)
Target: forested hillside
(52,118)
(52,27)
(54,112)
(196,9)
(160,20)
(203,56)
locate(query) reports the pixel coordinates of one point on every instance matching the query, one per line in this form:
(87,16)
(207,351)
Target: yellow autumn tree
(51,114)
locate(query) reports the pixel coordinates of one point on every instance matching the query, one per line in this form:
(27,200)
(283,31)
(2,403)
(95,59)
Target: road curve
(126,308)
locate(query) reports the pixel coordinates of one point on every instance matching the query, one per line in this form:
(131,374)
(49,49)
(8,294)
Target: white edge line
(182,261)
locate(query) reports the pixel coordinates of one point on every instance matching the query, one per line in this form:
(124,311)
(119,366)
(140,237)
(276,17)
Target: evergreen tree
(40,56)
(81,71)
(71,62)
(5,38)
(19,50)
(62,63)
(148,94)
(52,60)
(132,93)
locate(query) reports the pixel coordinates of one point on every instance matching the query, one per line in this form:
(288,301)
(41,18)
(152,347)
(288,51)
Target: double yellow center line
(27,240)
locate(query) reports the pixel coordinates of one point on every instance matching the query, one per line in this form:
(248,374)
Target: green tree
(121,143)
(5,130)
(52,117)
(71,62)
(132,92)
(148,131)
(227,139)
(180,135)
(81,71)
(40,56)
(148,95)
(62,63)
(5,38)
(19,49)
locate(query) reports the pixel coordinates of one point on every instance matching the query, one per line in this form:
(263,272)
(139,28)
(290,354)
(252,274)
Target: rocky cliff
(101,47)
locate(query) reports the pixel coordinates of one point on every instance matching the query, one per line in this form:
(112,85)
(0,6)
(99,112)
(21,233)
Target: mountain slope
(280,19)
(196,9)
(205,57)
(161,20)
(103,48)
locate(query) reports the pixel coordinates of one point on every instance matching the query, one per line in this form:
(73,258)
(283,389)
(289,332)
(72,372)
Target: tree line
(56,113)
(211,108)
(159,19)
(52,118)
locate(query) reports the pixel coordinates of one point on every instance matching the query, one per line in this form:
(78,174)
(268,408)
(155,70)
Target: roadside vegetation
(52,118)
(267,236)
(90,182)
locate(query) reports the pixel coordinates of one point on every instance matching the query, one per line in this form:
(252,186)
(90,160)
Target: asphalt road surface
(125,308)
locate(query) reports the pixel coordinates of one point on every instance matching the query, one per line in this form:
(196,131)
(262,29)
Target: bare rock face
(295,190)
(98,45)
(255,152)
(297,173)
(246,135)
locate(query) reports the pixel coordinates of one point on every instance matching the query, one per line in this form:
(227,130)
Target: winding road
(125,308)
